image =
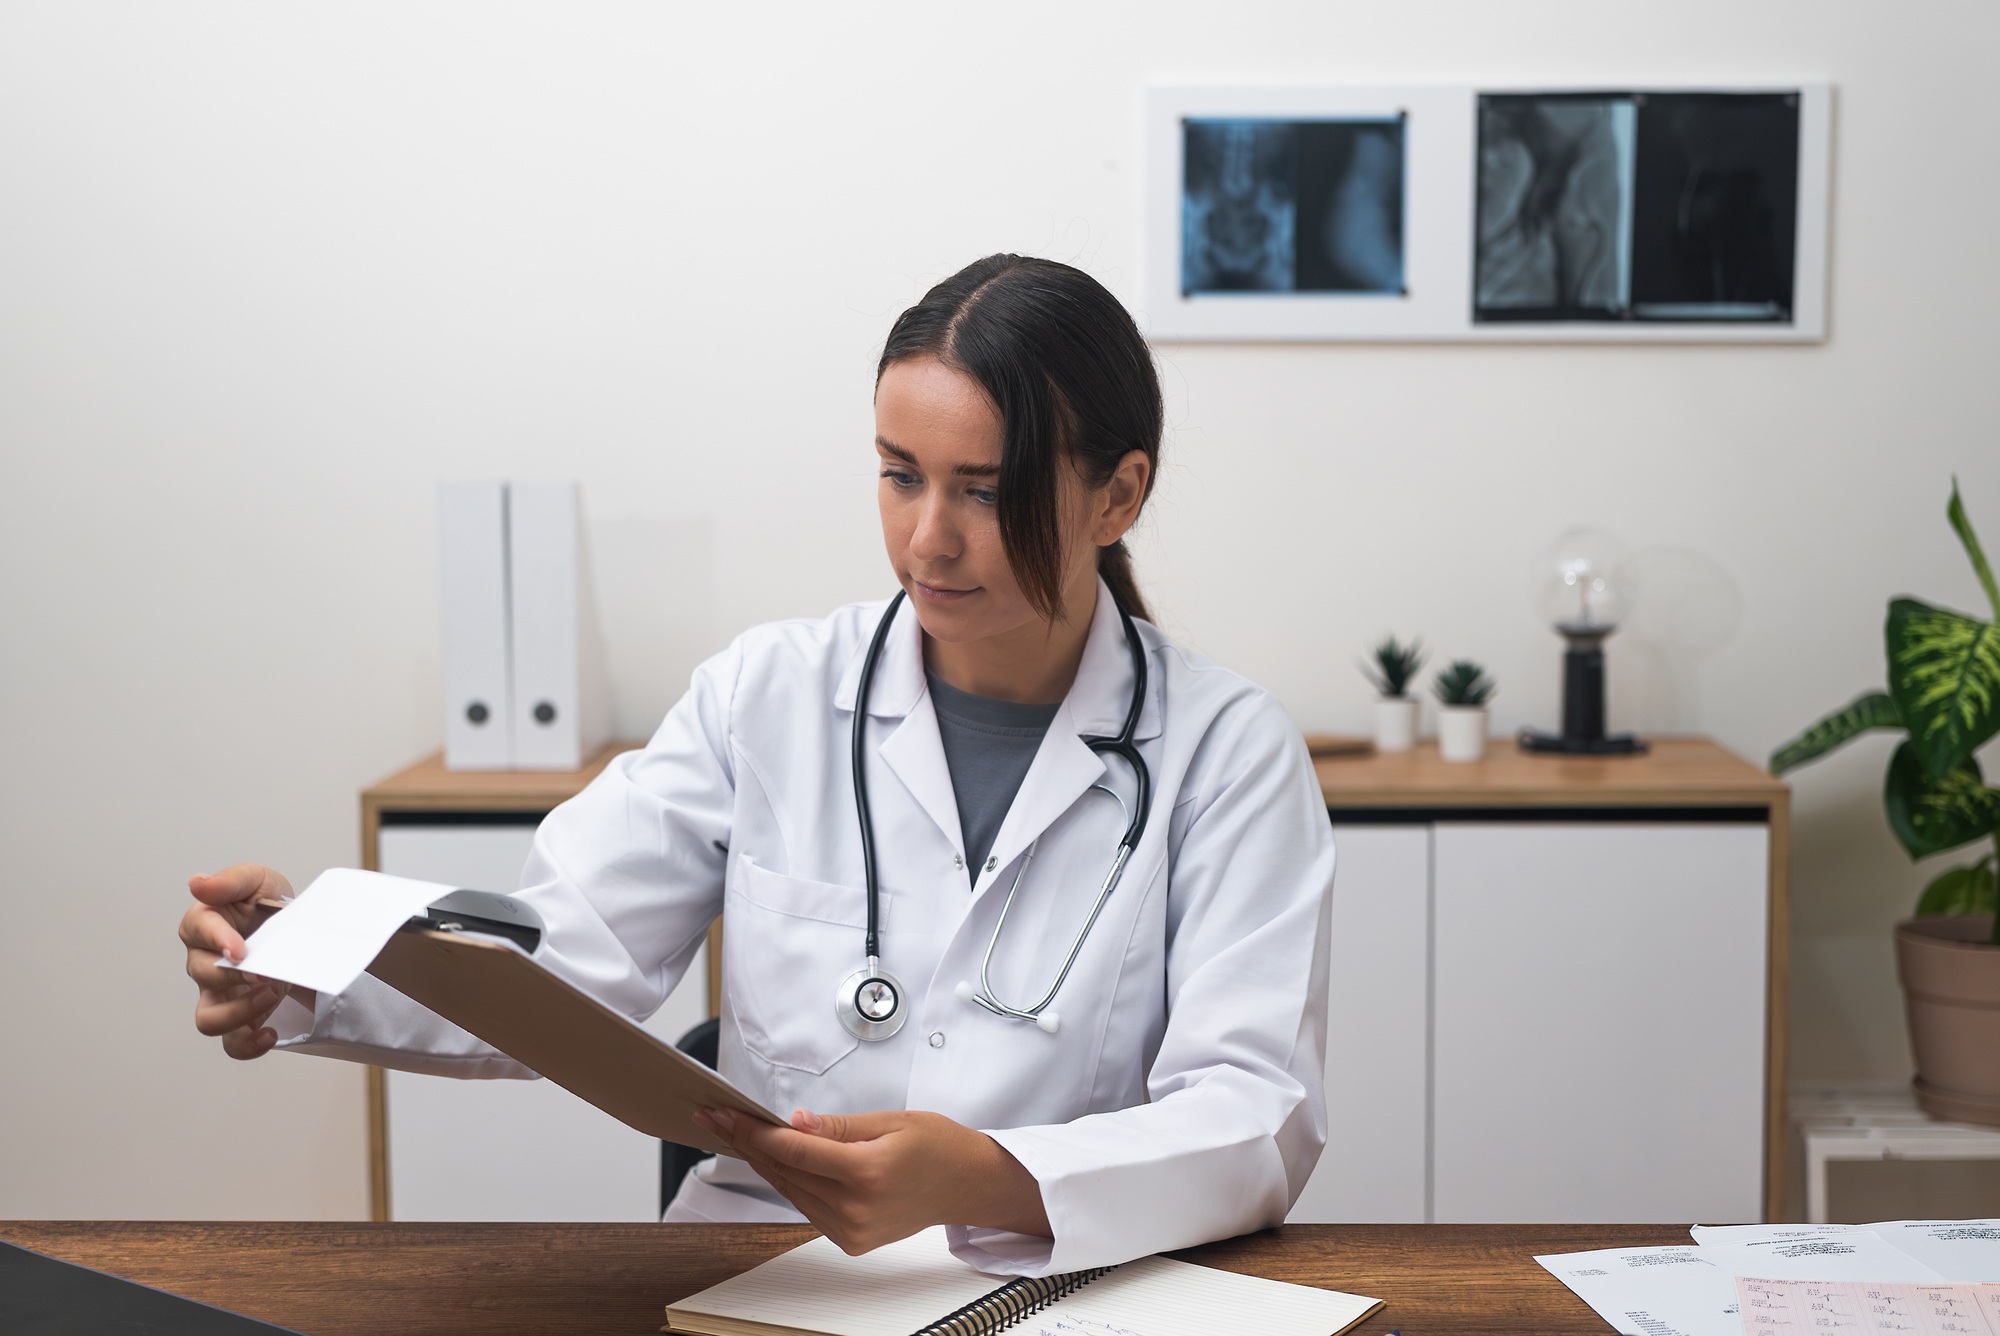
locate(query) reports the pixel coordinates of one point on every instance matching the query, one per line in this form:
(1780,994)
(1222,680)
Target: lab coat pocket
(786,945)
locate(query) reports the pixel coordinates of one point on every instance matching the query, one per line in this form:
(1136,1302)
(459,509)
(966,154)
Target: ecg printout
(1834,1307)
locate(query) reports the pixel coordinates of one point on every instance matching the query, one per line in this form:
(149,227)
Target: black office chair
(677,1160)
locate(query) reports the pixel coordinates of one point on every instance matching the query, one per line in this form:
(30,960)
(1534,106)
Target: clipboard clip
(484,913)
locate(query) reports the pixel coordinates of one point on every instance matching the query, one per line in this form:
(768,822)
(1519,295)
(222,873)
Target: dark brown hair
(1074,382)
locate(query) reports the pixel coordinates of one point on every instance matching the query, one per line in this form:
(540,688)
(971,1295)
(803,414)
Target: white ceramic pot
(1395,724)
(1462,732)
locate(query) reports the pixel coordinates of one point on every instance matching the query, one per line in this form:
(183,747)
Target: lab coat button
(992,863)
(937,1038)
(958,861)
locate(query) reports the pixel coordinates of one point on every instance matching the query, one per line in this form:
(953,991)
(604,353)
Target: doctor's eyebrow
(961,470)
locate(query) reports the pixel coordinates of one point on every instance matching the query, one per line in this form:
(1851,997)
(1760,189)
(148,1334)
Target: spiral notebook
(917,1288)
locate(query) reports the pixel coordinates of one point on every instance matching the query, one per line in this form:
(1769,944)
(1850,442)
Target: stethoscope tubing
(987,997)
(1121,746)
(861,806)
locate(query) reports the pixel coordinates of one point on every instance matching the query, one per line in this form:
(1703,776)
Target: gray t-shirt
(988,746)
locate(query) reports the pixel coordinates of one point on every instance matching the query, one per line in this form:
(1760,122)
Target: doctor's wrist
(1007,1196)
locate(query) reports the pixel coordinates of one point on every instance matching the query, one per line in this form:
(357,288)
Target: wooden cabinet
(1556,989)
(445,1149)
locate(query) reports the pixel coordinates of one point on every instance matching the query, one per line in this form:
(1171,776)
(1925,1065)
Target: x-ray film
(1300,206)
(1636,206)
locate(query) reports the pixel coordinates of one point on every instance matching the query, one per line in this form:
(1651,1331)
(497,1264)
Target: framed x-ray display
(1472,214)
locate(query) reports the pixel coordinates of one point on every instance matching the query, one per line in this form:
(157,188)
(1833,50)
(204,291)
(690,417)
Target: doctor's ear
(1117,502)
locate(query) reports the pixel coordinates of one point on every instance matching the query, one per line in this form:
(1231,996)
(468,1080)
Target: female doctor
(1024,906)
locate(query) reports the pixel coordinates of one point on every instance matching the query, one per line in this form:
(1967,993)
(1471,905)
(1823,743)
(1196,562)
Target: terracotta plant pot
(1951,985)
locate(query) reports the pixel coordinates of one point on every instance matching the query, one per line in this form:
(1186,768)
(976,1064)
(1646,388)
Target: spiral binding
(1010,1303)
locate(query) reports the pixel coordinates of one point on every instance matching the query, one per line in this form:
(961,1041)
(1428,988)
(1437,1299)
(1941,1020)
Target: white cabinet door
(513,1150)
(1599,1022)
(1377,1051)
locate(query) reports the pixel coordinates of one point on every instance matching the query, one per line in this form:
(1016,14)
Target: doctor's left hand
(867,1179)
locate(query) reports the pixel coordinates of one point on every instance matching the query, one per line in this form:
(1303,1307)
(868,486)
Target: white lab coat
(1181,1099)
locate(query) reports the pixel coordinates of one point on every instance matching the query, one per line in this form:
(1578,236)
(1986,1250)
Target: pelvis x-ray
(1636,206)
(1292,206)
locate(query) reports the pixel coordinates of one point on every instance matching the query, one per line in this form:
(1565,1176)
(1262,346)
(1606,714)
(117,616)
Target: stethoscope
(870,1001)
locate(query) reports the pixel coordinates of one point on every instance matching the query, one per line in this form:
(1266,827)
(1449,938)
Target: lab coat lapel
(914,751)
(1063,770)
(1066,767)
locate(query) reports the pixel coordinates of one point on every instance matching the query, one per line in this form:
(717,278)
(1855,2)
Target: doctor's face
(939,440)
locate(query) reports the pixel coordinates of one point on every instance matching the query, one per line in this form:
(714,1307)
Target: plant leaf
(1464,683)
(1395,667)
(1932,815)
(1955,512)
(1962,890)
(1944,672)
(1863,714)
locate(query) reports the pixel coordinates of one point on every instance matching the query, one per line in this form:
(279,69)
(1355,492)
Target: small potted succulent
(1462,691)
(1395,666)
(1944,697)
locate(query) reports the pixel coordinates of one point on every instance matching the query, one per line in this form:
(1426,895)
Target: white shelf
(1874,1121)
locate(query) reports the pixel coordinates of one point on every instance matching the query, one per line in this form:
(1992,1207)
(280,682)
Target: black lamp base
(1614,744)
(1583,706)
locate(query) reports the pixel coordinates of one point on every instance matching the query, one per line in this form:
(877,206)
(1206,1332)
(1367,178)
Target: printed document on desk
(1958,1250)
(1691,1291)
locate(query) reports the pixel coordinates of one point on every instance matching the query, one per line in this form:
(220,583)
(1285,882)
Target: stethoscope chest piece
(870,1003)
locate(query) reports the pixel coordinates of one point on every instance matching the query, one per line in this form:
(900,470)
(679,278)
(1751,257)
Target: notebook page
(1157,1296)
(1858,1308)
(892,1291)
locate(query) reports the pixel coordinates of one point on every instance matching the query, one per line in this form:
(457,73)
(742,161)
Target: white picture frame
(1440,182)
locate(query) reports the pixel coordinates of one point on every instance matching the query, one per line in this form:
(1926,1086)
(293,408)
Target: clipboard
(469,960)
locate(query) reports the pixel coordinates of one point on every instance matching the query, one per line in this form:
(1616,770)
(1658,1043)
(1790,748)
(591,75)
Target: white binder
(472,561)
(559,715)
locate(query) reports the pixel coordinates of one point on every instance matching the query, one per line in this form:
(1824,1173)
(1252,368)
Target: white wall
(270,272)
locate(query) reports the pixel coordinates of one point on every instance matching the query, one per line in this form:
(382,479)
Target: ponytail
(1114,567)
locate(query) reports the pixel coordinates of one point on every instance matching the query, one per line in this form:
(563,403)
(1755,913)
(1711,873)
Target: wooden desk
(327,1279)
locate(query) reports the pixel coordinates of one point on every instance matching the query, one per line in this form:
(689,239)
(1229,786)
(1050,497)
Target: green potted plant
(1944,697)
(1462,691)
(1394,667)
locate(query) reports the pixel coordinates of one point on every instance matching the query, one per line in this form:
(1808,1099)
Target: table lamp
(1585,592)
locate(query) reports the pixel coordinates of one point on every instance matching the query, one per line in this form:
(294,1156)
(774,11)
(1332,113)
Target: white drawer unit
(1548,1005)
(1865,1151)
(1597,1046)
(1545,1021)
(1376,1166)
(445,1149)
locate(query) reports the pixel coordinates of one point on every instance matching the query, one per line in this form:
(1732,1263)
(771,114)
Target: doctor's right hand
(232,1004)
